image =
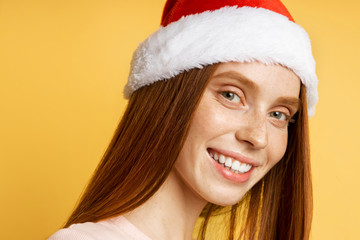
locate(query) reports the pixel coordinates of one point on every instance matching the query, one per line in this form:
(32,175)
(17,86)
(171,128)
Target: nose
(253,131)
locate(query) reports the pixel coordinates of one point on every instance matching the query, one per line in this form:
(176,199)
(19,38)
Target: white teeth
(244,167)
(231,164)
(235,165)
(222,159)
(228,162)
(248,167)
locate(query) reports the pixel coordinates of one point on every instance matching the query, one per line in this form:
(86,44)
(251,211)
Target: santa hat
(196,33)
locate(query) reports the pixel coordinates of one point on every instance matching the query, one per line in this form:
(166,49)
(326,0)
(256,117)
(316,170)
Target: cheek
(207,124)
(210,120)
(278,147)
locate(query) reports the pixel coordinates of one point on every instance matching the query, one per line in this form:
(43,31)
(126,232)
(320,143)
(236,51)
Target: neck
(171,213)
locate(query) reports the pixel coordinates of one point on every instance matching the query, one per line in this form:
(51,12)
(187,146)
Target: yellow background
(63,65)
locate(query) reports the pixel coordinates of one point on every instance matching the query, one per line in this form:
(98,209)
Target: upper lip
(237,156)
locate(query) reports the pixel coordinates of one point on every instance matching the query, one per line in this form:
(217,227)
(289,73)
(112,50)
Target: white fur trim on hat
(228,34)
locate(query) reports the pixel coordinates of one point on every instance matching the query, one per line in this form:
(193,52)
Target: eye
(279,116)
(231,96)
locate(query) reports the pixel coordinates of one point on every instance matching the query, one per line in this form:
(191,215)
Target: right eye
(232,97)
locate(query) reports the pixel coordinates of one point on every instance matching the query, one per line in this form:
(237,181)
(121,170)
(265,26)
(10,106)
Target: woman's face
(238,131)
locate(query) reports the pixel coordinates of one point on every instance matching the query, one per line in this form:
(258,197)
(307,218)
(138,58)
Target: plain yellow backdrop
(63,65)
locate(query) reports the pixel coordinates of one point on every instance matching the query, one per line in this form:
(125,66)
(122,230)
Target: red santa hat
(196,33)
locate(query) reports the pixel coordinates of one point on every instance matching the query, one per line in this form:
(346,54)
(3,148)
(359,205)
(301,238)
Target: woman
(222,143)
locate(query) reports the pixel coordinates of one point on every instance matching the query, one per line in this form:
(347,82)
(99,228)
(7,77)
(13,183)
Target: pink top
(118,228)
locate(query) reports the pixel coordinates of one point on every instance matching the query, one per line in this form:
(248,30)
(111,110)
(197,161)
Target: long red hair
(148,141)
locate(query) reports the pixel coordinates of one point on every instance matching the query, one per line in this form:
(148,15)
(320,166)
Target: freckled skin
(243,127)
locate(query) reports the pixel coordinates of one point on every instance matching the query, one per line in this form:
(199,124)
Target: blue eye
(279,116)
(231,97)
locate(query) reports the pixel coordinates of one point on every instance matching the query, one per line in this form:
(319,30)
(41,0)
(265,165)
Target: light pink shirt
(118,228)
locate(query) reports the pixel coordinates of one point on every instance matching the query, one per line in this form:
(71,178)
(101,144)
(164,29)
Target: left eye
(231,97)
(278,115)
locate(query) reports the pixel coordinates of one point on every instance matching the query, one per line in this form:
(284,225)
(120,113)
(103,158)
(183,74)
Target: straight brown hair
(148,141)
(144,147)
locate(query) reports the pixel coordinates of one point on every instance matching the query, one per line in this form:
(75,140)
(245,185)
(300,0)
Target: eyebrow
(238,76)
(289,101)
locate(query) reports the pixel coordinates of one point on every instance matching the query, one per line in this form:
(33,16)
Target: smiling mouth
(230,163)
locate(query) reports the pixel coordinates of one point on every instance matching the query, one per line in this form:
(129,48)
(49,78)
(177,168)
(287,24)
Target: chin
(226,202)
(226,196)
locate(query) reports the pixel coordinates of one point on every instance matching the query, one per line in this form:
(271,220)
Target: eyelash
(282,123)
(233,95)
(278,112)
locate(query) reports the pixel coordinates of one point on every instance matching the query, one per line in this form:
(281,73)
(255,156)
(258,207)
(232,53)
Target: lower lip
(229,175)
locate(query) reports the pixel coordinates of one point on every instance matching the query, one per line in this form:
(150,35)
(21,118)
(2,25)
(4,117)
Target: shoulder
(112,229)
(70,234)
(88,231)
